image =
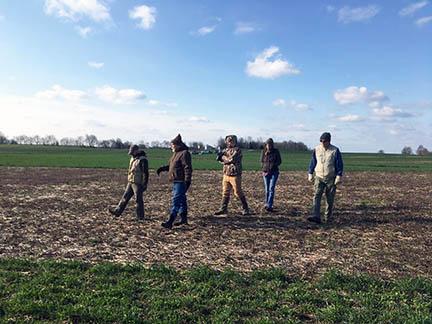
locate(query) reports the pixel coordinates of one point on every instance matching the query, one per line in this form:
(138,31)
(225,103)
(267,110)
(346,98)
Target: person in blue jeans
(180,173)
(270,161)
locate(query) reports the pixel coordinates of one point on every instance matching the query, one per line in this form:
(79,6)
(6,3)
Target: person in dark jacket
(138,176)
(270,161)
(180,173)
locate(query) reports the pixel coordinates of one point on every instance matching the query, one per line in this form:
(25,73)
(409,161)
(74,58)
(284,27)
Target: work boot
(113,211)
(183,220)
(169,223)
(314,219)
(224,208)
(245,206)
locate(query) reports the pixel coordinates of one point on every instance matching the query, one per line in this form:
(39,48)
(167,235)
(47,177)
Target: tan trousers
(232,182)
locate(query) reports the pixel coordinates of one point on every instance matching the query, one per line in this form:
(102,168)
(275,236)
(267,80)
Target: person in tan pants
(231,158)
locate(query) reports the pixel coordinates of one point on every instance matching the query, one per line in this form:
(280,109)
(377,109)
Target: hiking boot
(113,211)
(222,211)
(314,219)
(167,225)
(182,222)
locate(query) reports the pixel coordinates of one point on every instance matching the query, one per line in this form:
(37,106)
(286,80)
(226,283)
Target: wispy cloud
(205,30)
(264,67)
(244,28)
(119,96)
(359,14)
(76,10)
(157,103)
(387,112)
(412,8)
(57,92)
(96,65)
(350,118)
(198,119)
(146,16)
(83,31)
(291,104)
(423,21)
(353,94)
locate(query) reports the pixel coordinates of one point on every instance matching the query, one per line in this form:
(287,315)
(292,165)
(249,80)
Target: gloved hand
(162,169)
(187,183)
(338,180)
(310,177)
(219,156)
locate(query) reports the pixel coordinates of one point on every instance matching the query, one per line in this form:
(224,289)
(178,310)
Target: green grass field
(49,291)
(52,156)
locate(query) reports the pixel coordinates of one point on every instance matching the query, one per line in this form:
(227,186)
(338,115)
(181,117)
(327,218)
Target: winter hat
(270,141)
(325,137)
(177,140)
(133,148)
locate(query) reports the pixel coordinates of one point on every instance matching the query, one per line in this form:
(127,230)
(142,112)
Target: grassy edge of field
(48,290)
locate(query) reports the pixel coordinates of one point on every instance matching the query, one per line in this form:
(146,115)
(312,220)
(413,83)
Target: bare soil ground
(383,223)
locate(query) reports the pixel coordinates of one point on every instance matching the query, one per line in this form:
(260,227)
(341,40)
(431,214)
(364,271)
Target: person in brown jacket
(180,173)
(231,158)
(138,176)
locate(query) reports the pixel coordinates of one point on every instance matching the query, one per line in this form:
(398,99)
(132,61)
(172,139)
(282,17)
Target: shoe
(113,212)
(314,219)
(180,223)
(269,209)
(140,219)
(246,212)
(166,225)
(221,212)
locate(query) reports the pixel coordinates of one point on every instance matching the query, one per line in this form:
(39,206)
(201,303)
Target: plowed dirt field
(383,222)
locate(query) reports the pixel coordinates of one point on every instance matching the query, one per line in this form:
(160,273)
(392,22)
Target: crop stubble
(382,223)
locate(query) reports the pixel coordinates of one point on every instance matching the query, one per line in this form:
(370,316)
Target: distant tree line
(255,144)
(421,150)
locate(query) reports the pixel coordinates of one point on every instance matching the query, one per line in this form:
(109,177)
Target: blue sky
(146,70)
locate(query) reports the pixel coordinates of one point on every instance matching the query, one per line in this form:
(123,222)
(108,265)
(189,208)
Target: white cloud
(205,30)
(96,65)
(157,103)
(350,118)
(244,28)
(423,21)
(387,112)
(83,31)
(409,10)
(353,94)
(119,96)
(347,14)
(76,9)
(146,15)
(292,104)
(198,119)
(263,67)
(58,92)
(330,8)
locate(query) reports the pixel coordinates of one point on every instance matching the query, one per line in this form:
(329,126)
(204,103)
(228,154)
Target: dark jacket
(180,165)
(270,160)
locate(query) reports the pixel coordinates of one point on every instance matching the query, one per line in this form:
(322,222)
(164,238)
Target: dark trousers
(131,190)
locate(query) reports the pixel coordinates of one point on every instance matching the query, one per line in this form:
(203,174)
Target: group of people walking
(325,170)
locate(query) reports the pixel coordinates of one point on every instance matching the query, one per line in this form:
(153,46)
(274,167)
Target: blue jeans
(269,184)
(179,203)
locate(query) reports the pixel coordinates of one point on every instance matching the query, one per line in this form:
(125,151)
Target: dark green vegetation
(54,156)
(103,293)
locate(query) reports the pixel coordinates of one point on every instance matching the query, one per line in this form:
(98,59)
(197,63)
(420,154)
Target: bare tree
(421,150)
(407,150)
(91,140)
(3,139)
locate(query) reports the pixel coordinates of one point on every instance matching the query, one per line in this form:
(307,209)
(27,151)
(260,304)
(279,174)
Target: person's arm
(187,167)
(278,158)
(339,164)
(313,163)
(145,172)
(164,168)
(234,159)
